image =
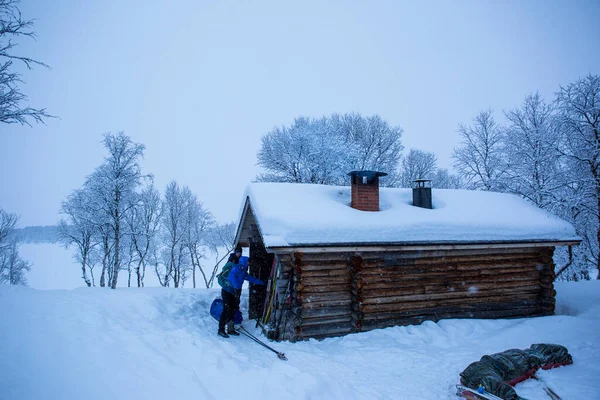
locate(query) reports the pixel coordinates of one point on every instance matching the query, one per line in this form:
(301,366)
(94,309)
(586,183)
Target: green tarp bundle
(497,372)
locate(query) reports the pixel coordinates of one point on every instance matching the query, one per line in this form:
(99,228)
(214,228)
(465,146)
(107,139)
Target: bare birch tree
(12,100)
(79,229)
(198,221)
(174,254)
(443,179)
(480,156)
(579,106)
(113,187)
(7,224)
(534,165)
(144,223)
(12,267)
(417,164)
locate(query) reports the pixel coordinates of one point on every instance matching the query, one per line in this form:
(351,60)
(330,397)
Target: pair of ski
(474,394)
(551,393)
(244,332)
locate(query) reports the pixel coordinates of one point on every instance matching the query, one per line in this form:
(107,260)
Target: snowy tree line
(547,153)
(37,234)
(324,150)
(118,221)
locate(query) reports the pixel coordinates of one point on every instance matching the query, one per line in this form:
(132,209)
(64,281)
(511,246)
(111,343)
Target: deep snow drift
(156,343)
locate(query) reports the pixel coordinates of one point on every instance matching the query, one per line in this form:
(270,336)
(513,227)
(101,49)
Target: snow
(157,343)
(291,214)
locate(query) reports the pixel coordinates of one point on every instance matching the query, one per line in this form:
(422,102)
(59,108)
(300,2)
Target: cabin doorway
(260,268)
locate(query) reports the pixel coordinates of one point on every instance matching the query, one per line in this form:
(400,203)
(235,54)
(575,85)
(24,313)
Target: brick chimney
(421,192)
(365,190)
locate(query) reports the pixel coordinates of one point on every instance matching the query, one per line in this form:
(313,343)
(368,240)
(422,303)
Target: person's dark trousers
(238,296)
(230,324)
(229,305)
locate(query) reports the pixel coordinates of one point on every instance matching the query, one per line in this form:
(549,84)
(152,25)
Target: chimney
(365,190)
(421,192)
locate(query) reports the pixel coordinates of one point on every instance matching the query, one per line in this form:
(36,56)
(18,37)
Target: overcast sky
(200,82)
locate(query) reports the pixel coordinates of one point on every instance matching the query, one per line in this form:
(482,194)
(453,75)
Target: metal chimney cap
(422,183)
(368,174)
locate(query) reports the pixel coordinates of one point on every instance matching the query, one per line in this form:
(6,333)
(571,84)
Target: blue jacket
(239,274)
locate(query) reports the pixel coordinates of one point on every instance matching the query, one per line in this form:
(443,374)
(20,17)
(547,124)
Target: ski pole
(251,336)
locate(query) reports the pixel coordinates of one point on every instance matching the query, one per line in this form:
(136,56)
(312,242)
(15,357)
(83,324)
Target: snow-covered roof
(315,215)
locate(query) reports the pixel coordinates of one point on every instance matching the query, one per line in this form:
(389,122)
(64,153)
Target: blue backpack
(216,308)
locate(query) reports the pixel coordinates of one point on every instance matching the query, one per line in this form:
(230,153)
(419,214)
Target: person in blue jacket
(231,293)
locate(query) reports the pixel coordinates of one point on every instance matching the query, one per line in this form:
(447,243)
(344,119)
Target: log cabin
(346,259)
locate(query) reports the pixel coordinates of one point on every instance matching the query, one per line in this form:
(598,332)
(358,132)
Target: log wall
(332,294)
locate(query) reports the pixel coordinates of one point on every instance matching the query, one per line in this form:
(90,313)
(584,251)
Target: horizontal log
(320,273)
(494,287)
(320,267)
(324,329)
(449,268)
(387,262)
(435,303)
(465,309)
(326,304)
(335,320)
(330,280)
(456,281)
(375,255)
(439,263)
(500,313)
(518,313)
(464,294)
(475,274)
(453,269)
(342,287)
(449,281)
(325,312)
(330,296)
(308,258)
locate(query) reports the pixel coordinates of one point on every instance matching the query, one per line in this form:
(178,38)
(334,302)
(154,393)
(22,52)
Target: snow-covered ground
(156,343)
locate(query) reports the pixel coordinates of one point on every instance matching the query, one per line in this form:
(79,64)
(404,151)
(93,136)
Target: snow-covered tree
(113,188)
(372,144)
(174,255)
(7,225)
(417,164)
(198,222)
(79,228)
(12,27)
(144,225)
(304,153)
(480,156)
(534,165)
(324,150)
(579,107)
(12,266)
(443,179)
